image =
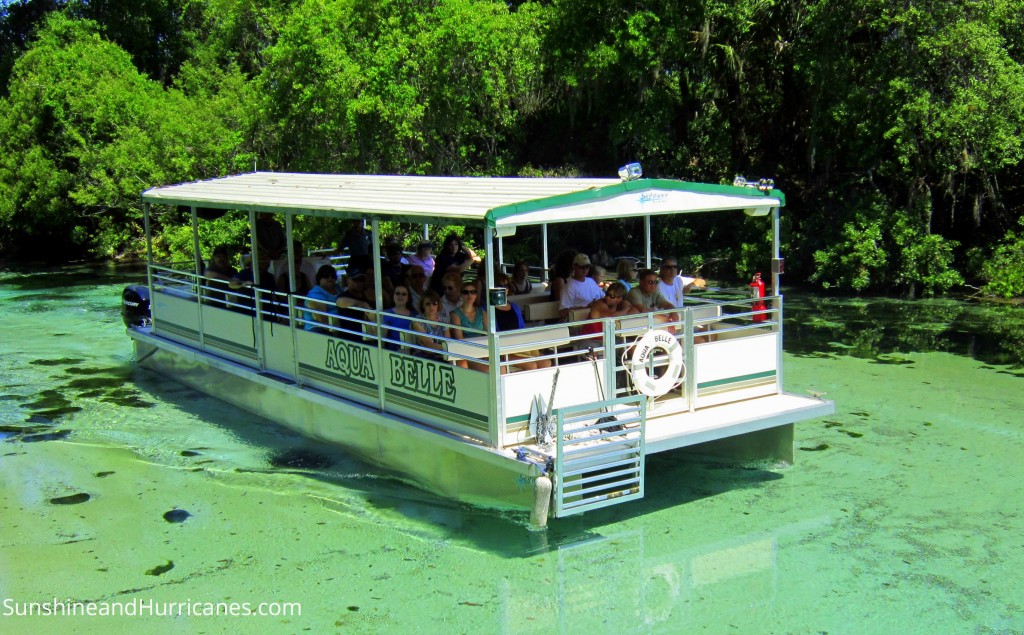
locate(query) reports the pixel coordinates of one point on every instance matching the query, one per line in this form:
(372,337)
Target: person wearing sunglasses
(397,317)
(469,316)
(451,299)
(672,285)
(646,297)
(613,304)
(581,290)
(430,335)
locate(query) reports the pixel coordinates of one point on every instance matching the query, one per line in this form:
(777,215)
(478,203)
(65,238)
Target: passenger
(452,299)
(270,236)
(469,315)
(455,253)
(674,286)
(601,258)
(645,297)
(597,273)
(370,290)
(430,335)
(613,304)
(415,280)
(352,305)
(397,317)
(323,297)
(520,282)
(221,271)
(560,272)
(626,272)
(303,278)
(508,317)
(357,242)
(392,267)
(424,258)
(246,280)
(581,290)
(417,277)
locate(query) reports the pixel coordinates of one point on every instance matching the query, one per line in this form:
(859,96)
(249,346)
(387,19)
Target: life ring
(643,351)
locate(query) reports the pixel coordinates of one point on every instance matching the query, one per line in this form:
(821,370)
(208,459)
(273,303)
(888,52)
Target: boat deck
(731,419)
(769,416)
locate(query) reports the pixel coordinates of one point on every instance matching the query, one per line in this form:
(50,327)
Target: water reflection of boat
(489,437)
(635,582)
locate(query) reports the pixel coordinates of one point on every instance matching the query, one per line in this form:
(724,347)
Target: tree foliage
(895,128)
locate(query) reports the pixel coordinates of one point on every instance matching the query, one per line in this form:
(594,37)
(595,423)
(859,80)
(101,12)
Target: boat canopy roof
(497,202)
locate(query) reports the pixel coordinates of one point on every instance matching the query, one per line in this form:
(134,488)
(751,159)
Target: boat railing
(727,349)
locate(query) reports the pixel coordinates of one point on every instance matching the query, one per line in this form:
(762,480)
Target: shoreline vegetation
(896,135)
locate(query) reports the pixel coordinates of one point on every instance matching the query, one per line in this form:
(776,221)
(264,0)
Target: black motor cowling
(135,305)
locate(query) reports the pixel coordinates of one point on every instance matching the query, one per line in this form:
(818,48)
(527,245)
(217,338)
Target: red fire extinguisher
(757,291)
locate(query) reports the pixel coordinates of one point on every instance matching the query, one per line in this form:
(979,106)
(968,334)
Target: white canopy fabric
(489,201)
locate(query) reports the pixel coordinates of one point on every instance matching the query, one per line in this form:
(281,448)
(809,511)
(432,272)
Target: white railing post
(691,375)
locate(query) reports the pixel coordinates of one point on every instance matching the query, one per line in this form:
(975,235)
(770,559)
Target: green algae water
(902,514)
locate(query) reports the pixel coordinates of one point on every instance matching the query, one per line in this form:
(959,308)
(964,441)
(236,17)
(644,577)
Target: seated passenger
(520,282)
(303,277)
(597,273)
(645,297)
(508,317)
(324,297)
(674,286)
(392,266)
(613,304)
(560,272)
(397,317)
(451,298)
(430,334)
(455,253)
(352,303)
(245,281)
(469,315)
(221,271)
(626,272)
(416,281)
(581,290)
(424,258)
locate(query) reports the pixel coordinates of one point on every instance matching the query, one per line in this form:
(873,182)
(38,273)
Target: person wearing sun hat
(581,290)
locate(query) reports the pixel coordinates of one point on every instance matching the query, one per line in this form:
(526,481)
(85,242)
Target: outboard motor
(135,305)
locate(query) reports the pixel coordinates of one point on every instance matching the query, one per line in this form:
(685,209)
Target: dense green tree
(18,20)
(85,132)
(894,127)
(399,86)
(922,104)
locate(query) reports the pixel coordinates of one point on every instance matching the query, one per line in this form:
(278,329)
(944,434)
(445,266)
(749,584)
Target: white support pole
(545,274)
(647,240)
(776,256)
(496,424)
(195,242)
(378,308)
(253,249)
(291,252)
(199,279)
(149,257)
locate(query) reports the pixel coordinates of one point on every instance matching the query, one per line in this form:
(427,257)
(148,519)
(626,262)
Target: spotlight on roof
(763,185)
(631,172)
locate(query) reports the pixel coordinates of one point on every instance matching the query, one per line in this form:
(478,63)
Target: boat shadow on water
(349,486)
